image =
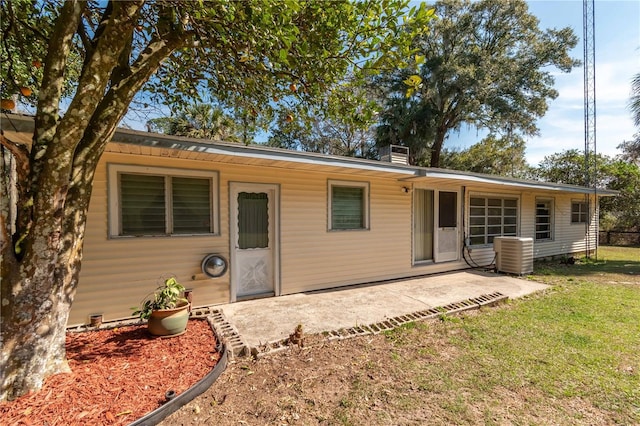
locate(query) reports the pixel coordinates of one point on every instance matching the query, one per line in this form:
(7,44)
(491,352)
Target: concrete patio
(263,321)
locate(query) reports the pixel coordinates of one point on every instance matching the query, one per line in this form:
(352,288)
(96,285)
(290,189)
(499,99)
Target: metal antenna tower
(590,159)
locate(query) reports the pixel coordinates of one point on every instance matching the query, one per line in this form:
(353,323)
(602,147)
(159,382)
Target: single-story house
(289,222)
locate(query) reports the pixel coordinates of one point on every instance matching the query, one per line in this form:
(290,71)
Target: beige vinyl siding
(568,237)
(314,257)
(528,218)
(117,273)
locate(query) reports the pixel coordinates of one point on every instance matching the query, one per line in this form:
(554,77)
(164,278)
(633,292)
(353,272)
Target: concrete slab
(268,320)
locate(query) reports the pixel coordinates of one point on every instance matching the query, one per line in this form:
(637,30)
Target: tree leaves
(413,82)
(486,64)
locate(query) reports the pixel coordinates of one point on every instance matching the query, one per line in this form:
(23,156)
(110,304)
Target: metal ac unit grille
(514,255)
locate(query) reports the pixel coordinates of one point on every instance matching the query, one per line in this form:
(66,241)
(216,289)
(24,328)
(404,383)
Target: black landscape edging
(157,415)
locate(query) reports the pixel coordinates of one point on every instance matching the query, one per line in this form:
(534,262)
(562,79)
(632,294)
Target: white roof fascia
(498,180)
(255,152)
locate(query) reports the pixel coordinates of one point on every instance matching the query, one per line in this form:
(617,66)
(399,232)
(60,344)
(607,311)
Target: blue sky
(617,54)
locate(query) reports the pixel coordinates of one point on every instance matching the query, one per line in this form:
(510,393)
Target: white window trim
(502,196)
(113,196)
(551,219)
(352,184)
(586,212)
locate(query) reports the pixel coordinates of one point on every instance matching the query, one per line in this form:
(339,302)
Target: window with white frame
(491,217)
(544,220)
(152,201)
(348,205)
(578,212)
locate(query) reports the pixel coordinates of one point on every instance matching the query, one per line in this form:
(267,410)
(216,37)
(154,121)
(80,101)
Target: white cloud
(562,127)
(563,133)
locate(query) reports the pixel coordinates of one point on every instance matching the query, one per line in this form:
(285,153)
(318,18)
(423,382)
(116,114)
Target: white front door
(447,238)
(254,240)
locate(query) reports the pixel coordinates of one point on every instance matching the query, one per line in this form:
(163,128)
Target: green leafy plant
(166,296)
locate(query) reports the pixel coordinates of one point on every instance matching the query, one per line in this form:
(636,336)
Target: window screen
(543,220)
(447,209)
(191,205)
(152,204)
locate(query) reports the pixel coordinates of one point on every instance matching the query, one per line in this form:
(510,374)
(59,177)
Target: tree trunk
(436,148)
(37,296)
(33,335)
(39,279)
(37,292)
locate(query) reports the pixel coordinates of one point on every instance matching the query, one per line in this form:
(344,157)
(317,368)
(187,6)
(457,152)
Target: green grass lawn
(570,355)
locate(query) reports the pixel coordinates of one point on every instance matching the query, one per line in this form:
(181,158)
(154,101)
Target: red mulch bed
(118,375)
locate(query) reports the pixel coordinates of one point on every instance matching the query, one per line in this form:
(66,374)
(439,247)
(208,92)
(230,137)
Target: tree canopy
(504,156)
(634,101)
(85,62)
(485,64)
(352,137)
(632,147)
(198,120)
(619,212)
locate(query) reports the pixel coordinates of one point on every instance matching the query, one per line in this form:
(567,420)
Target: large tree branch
(95,76)
(86,40)
(91,88)
(52,165)
(114,105)
(106,117)
(123,69)
(53,76)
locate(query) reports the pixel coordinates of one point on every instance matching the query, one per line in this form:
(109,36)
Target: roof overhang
(155,140)
(20,128)
(426,174)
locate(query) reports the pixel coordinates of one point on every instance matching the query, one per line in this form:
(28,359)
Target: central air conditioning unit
(514,255)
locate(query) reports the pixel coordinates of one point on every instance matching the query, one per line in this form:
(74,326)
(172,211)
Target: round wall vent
(214,265)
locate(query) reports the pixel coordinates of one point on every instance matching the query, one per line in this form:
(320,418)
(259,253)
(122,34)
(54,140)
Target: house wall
(568,238)
(117,273)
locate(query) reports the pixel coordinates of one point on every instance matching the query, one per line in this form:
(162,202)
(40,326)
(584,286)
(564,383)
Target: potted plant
(166,310)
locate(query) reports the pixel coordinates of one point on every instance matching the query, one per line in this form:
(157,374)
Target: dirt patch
(117,376)
(376,380)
